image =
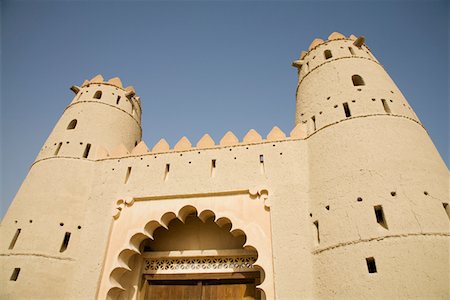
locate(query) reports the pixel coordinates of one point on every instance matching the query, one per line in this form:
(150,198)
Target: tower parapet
(340,78)
(102,114)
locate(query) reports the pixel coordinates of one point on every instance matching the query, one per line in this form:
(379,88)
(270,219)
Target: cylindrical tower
(378,187)
(53,225)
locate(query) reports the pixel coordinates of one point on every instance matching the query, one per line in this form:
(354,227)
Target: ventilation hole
(316,226)
(67,142)
(336,106)
(320,112)
(81,143)
(379,214)
(166,173)
(353,101)
(351,50)
(190,162)
(61,224)
(391,101)
(15,221)
(127,176)
(273,145)
(310,215)
(231,149)
(72,124)
(31,221)
(327,54)
(142,158)
(213,168)
(235,158)
(357,80)
(359,199)
(313,118)
(118,100)
(371,266)
(15,274)
(447,209)
(181,154)
(14,239)
(386,106)
(327,207)
(148,166)
(65,242)
(393,194)
(328,98)
(79,227)
(373,99)
(98,95)
(425,193)
(86,150)
(58,148)
(281,153)
(392,92)
(346,109)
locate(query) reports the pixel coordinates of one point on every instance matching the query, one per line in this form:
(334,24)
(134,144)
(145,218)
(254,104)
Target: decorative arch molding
(244,212)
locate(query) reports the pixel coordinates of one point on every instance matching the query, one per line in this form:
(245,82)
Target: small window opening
(379,214)
(352,52)
(118,100)
(15,274)
(72,124)
(65,242)
(327,54)
(261,163)
(14,240)
(166,173)
(58,148)
(346,109)
(357,80)
(371,266)
(128,174)
(386,106)
(316,226)
(98,95)
(213,168)
(313,118)
(86,150)
(447,209)
(307,67)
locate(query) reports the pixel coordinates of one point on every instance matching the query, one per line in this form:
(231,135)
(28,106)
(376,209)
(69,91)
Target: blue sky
(202,66)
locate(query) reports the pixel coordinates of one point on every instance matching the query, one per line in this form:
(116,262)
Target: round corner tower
(378,186)
(54,225)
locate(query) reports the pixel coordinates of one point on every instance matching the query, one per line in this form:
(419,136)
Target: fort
(351,204)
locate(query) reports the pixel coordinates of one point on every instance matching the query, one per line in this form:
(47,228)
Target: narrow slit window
(15,274)
(98,95)
(213,168)
(386,107)
(127,176)
(357,80)
(72,124)
(14,240)
(118,100)
(327,54)
(346,110)
(65,242)
(316,228)
(371,265)
(86,151)
(307,67)
(261,163)
(379,214)
(166,173)
(313,118)
(447,209)
(352,52)
(58,148)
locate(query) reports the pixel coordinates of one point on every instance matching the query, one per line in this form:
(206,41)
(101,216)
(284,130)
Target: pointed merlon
(161,146)
(141,148)
(299,132)
(85,83)
(75,89)
(183,144)
(252,137)
(120,151)
(336,36)
(97,79)
(116,81)
(302,55)
(276,134)
(352,37)
(101,153)
(229,139)
(206,142)
(315,43)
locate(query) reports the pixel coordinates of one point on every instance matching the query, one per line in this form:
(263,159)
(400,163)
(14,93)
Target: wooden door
(202,287)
